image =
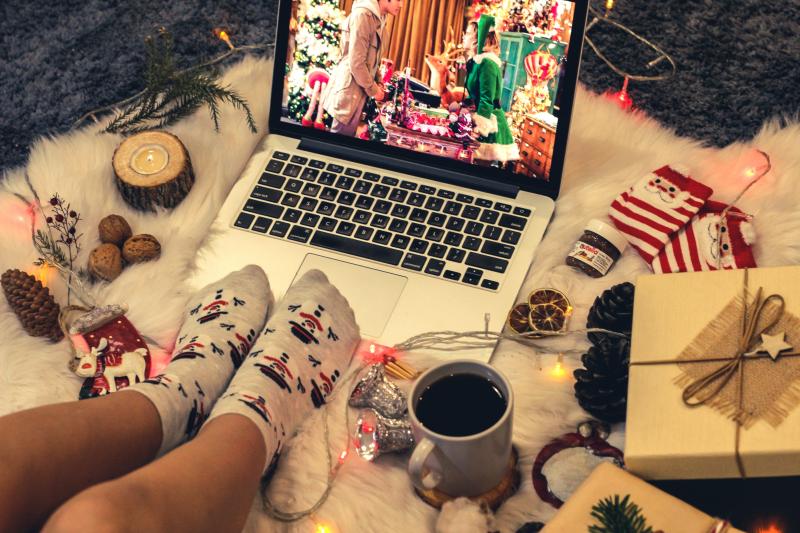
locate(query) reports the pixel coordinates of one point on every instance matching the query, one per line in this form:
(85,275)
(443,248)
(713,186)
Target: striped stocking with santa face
(221,324)
(656,207)
(296,363)
(709,243)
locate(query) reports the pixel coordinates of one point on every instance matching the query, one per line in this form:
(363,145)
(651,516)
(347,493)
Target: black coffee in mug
(460,404)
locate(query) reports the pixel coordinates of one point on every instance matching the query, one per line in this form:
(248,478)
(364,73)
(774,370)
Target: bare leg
(207,484)
(319,122)
(308,118)
(52,452)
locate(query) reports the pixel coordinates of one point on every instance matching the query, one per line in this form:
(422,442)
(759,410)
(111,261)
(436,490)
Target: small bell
(376,435)
(377,392)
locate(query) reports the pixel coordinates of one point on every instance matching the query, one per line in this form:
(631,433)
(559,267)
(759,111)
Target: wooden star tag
(774,344)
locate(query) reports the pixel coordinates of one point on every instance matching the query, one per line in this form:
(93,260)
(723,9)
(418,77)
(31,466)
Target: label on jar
(592,256)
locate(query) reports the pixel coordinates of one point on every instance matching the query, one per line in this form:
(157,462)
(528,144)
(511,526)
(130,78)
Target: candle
(149,159)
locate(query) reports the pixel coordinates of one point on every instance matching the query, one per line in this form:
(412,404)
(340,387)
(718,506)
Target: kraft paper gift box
(661,511)
(665,438)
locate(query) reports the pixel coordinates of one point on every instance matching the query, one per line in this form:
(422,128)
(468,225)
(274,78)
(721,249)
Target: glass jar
(596,251)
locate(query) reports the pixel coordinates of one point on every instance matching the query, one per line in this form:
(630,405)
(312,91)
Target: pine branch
(171,95)
(51,251)
(618,516)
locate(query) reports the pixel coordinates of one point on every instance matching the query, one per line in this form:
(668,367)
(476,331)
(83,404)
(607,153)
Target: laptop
(415,230)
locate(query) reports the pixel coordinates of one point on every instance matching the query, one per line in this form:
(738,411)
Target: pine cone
(32,303)
(602,387)
(612,310)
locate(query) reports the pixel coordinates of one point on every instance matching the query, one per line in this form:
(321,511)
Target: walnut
(140,248)
(105,262)
(115,230)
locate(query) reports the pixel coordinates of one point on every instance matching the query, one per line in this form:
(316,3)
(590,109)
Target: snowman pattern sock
(222,323)
(297,361)
(707,243)
(650,212)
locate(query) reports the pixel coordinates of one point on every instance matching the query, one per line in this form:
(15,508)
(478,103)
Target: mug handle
(416,465)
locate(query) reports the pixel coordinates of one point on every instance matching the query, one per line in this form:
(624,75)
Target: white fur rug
(608,150)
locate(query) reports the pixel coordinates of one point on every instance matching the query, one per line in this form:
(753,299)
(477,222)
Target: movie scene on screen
(476,82)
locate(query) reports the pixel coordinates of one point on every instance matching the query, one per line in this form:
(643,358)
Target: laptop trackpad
(372,293)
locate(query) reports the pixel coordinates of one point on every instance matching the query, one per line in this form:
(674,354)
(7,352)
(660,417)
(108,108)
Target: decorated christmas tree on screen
(318,24)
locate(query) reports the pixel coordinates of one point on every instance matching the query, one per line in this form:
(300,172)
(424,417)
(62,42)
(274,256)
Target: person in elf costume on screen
(484,83)
(353,79)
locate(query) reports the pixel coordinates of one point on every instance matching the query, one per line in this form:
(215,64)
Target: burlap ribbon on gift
(722,367)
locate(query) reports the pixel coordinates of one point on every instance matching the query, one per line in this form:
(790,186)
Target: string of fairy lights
(605,18)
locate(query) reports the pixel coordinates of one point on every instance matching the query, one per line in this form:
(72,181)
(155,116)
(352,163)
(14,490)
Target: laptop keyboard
(392,221)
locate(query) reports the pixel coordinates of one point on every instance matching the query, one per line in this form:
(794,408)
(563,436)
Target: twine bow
(735,366)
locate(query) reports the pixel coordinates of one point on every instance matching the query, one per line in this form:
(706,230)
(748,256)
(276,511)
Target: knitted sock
(223,321)
(705,245)
(655,208)
(295,364)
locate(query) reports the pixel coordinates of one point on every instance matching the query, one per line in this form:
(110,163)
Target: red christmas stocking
(707,243)
(657,207)
(114,352)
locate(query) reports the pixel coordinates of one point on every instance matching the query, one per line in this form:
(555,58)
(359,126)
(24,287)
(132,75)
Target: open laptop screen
(480,83)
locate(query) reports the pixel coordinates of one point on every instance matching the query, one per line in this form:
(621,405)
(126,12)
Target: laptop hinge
(407,167)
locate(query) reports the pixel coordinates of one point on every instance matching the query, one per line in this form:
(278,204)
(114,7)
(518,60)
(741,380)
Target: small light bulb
(558,370)
(609,5)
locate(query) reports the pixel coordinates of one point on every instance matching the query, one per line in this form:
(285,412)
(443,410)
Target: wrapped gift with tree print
(610,495)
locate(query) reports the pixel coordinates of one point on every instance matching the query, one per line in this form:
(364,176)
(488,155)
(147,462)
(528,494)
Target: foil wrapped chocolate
(376,435)
(376,392)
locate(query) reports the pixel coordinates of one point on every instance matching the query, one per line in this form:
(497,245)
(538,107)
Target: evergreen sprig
(618,516)
(51,251)
(172,94)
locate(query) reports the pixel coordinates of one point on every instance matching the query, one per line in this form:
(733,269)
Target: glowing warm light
(609,5)
(772,528)
(322,528)
(22,214)
(42,273)
(621,97)
(558,371)
(373,353)
(750,172)
(222,35)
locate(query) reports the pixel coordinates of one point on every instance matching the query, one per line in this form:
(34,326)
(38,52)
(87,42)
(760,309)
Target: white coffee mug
(460,466)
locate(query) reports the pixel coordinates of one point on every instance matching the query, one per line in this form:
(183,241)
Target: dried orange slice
(518,318)
(547,318)
(549,296)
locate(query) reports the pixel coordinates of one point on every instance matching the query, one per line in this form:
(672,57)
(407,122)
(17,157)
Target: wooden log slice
(493,498)
(152,169)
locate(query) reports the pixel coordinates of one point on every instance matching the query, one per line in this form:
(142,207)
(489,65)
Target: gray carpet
(739,60)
